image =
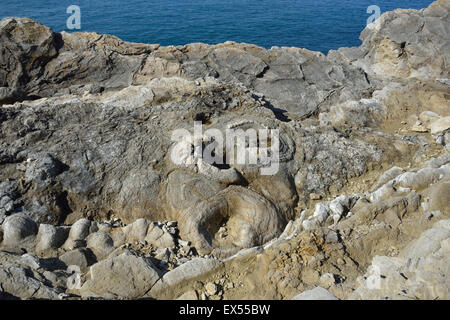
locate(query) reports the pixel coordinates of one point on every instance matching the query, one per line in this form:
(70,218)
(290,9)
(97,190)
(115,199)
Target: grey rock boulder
(50,237)
(408,43)
(18,231)
(78,257)
(29,46)
(101,244)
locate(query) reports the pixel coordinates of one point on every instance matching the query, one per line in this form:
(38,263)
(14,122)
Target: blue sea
(318,25)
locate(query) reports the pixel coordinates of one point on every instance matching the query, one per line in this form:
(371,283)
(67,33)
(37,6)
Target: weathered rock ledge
(93,207)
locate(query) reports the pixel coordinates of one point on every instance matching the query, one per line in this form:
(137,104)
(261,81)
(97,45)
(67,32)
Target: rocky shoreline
(93,207)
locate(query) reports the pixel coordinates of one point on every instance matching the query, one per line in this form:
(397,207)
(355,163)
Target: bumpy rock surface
(94,204)
(125,275)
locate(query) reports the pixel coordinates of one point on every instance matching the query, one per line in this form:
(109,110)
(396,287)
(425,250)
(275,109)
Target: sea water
(318,25)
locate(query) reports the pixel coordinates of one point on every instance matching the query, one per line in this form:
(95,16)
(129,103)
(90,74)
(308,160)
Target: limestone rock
(126,275)
(87,144)
(81,229)
(41,169)
(17,282)
(440,126)
(187,271)
(420,272)
(8,193)
(101,244)
(19,230)
(160,238)
(211,288)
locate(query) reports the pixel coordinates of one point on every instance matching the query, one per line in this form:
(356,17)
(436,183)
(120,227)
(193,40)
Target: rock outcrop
(98,200)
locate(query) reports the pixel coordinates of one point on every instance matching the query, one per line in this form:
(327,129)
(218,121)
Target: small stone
(332,237)
(440,140)
(50,276)
(229,285)
(137,230)
(431,214)
(7,204)
(172,224)
(222,230)
(440,126)
(160,238)
(418,127)
(126,275)
(75,257)
(198,285)
(63,296)
(315,196)
(183,243)
(162,254)
(211,288)
(101,244)
(104,227)
(81,229)
(184,251)
(74,244)
(327,279)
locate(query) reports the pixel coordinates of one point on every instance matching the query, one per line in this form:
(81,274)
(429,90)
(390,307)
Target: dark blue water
(314,24)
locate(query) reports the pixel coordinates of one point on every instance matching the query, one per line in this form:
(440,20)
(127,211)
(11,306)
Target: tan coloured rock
(126,275)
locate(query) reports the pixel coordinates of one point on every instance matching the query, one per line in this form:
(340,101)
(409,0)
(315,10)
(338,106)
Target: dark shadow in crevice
(280,114)
(8,296)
